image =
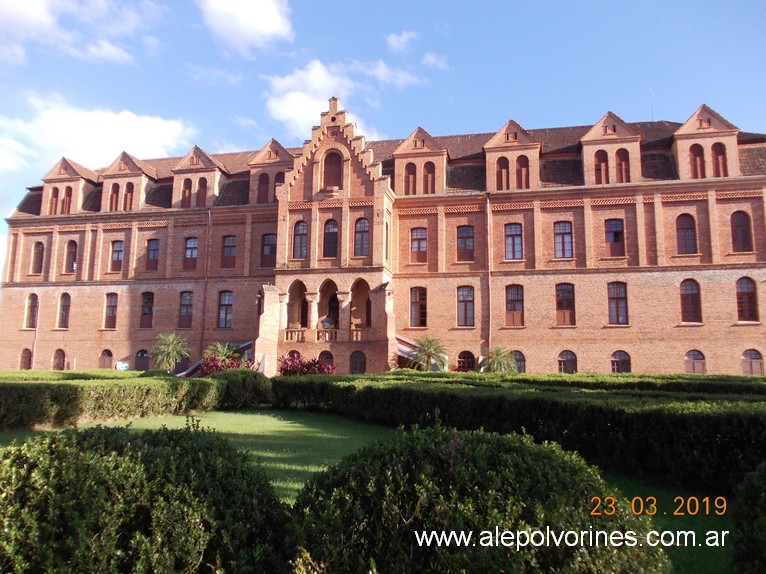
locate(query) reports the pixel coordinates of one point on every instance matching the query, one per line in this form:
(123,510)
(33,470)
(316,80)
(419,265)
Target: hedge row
(24,404)
(709,443)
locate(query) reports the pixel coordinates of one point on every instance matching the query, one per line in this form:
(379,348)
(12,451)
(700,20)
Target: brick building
(611,247)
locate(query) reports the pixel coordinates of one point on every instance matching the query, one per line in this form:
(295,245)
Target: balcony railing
(327,334)
(297,335)
(360,334)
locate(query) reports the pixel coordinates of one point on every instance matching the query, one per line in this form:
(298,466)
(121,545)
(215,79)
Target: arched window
(38,255)
(147,310)
(695,362)
(522,172)
(326,358)
(114,197)
(142,360)
(330,242)
(185,309)
(418,307)
(53,202)
(65,303)
(622,163)
(186,193)
(229,252)
(741,233)
(201,192)
(752,362)
(514,306)
(418,245)
(565,304)
(617,293)
(268,250)
(59,360)
(361,238)
(300,240)
(358,363)
(66,203)
(127,201)
(429,178)
(25,361)
(691,306)
(263,188)
(32,305)
(465,316)
(514,242)
(686,235)
(747,300)
(620,362)
(697,162)
(465,243)
(521,361)
(720,166)
(410,184)
(225,309)
(466,361)
(105,359)
(502,173)
(601,167)
(567,362)
(70,258)
(333,170)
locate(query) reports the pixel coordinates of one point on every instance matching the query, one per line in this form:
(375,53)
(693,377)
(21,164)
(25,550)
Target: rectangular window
(418,245)
(465,243)
(110,312)
(618,303)
(465,306)
(147,310)
(225,305)
(418,313)
(190,253)
(116,264)
(562,239)
(269,250)
(229,252)
(64,306)
(514,306)
(152,254)
(513,242)
(185,310)
(565,304)
(615,238)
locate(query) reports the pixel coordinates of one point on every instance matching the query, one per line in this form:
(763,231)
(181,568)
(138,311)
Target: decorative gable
(198,177)
(198,159)
(267,171)
(65,186)
(611,152)
(66,169)
(273,152)
(127,165)
(419,142)
(512,158)
(706,146)
(420,165)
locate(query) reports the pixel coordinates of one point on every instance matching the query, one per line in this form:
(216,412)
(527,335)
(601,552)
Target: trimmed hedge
(109,500)
(749,523)
(364,512)
(707,441)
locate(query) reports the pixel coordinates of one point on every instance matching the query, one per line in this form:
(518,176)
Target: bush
(107,500)
(363,513)
(242,388)
(298,365)
(749,523)
(212,364)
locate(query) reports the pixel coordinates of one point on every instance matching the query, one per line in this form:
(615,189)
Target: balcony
(295,335)
(327,335)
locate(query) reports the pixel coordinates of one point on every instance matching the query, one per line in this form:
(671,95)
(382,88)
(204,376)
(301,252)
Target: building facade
(612,247)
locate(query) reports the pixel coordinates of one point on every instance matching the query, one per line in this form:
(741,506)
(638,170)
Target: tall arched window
(38,255)
(521,361)
(127,201)
(114,197)
(752,362)
(300,240)
(201,192)
(53,202)
(565,304)
(429,178)
(720,165)
(514,306)
(696,162)
(263,188)
(691,303)
(741,233)
(279,179)
(65,303)
(522,172)
(622,158)
(358,362)
(59,360)
(361,238)
(686,235)
(747,300)
(502,173)
(186,193)
(601,167)
(66,203)
(410,184)
(333,170)
(567,362)
(32,305)
(330,239)
(25,361)
(620,362)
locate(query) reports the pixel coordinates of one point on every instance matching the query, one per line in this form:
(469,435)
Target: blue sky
(87,79)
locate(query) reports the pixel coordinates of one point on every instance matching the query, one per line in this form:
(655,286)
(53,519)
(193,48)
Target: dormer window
(720,167)
(601,167)
(696,162)
(623,165)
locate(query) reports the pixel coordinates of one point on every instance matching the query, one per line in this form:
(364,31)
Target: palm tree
(222,351)
(498,360)
(428,352)
(169,349)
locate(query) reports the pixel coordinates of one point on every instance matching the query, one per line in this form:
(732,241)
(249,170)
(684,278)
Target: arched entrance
(59,360)
(105,359)
(25,361)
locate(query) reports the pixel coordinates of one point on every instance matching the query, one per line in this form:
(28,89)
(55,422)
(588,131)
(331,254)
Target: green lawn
(292,445)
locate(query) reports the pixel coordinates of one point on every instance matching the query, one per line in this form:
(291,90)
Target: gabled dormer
(334,163)
(125,183)
(65,187)
(267,171)
(198,178)
(611,152)
(512,159)
(420,165)
(706,146)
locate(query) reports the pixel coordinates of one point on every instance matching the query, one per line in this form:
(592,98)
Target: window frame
(465,306)
(117,256)
(362,237)
(268,259)
(65,307)
(419,245)
(418,307)
(741,232)
(225,309)
(147,310)
(691,301)
(614,237)
(747,300)
(563,240)
(514,241)
(465,247)
(185,309)
(300,240)
(110,310)
(686,235)
(191,253)
(514,305)
(565,304)
(617,295)
(228,252)
(152,254)
(70,258)
(330,239)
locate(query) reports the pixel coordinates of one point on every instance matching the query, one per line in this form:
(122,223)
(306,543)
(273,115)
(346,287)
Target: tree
(498,360)
(169,349)
(222,351)
(428,352)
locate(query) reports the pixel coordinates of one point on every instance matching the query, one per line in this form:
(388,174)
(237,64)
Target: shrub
(159,501)
(212,364)
(363,512)
(749,523)
(298,365)
(242,388)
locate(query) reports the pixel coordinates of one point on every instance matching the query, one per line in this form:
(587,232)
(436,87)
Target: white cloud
(245,122)
(214,76)
(91,137)
(386,75)
(101,50)
(400,42)
(245,25)
(437,61)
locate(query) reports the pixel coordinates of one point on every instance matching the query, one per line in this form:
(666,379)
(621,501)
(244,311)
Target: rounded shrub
(749,523)
(196,504)
(242,388)
(364,513)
